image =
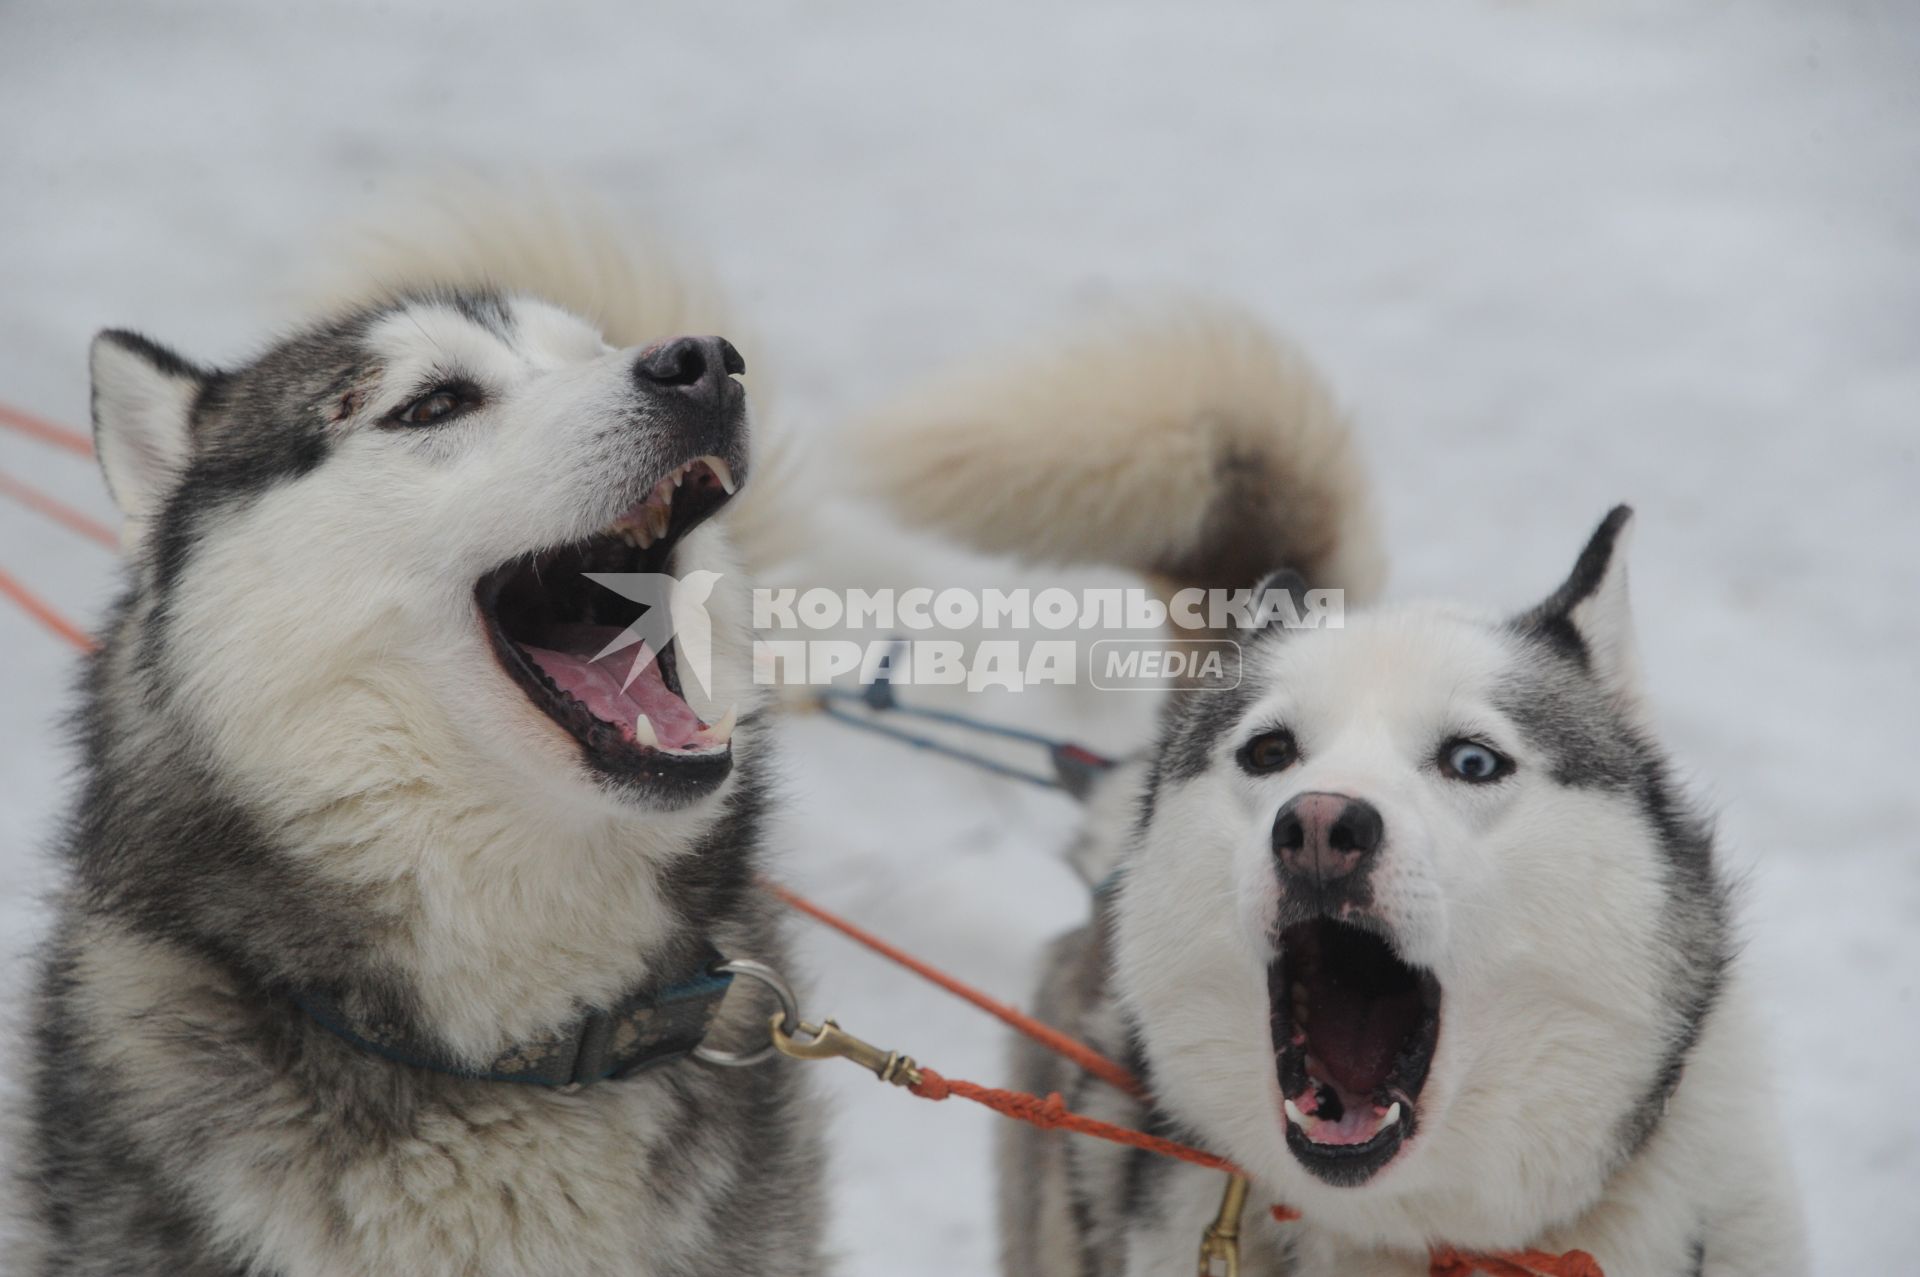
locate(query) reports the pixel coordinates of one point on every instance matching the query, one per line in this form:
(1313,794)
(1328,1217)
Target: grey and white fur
(308,768)
(1416,924)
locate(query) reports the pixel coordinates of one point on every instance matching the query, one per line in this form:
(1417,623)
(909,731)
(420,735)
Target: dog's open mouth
(1354,1031)
(564,637)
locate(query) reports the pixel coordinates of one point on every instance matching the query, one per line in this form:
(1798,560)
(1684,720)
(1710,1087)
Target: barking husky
(395,902)
(1414,923)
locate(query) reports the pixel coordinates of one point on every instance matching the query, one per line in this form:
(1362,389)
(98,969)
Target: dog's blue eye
(1473,762)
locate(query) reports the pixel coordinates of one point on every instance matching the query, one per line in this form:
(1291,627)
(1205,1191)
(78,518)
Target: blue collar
(651,1026)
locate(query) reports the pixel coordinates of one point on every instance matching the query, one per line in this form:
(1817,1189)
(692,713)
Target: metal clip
(828,1041)
(1220,1245)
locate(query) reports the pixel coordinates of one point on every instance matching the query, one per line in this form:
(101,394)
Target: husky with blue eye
(1415,923)
(401,885)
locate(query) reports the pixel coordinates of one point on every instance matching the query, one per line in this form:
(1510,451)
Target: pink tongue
(596,684)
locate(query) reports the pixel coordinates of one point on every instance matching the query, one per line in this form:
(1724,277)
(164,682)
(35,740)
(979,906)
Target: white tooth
(642,538)
(721,732)
(723,472)
(1392,1116)
(1295,1116)
(644,733)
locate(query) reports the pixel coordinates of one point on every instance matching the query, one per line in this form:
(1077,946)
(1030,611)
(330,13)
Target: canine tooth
(1295,1116)
(1392,1116)
(721,732)
(644,733)
(723,472)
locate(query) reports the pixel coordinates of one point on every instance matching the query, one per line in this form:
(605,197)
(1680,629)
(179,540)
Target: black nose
(698,366)
(1327,841)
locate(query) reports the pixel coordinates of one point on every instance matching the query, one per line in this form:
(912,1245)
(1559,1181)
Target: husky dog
(395,896)
(1415,923)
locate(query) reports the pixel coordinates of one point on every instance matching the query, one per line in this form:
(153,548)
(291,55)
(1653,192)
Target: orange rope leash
(1052,1114)
(1108,1071)
(60,512)
(45,431)
(1515,1263)
(42,611)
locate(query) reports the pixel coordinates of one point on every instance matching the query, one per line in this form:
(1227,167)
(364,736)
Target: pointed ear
(1270,608)
(1588,617)
(143,397)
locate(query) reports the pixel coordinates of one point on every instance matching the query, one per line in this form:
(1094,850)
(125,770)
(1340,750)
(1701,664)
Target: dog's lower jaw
(1650,1210)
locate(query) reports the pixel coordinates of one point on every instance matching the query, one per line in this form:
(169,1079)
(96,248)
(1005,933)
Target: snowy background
(1555,254)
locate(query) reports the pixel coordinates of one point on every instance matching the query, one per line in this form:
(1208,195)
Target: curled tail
(1190,445)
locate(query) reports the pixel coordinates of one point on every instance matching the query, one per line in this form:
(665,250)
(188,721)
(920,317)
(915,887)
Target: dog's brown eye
(435,406)
(1473,762)
(1269,752)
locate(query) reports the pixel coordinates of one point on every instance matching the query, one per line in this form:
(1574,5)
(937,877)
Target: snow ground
(1555,255)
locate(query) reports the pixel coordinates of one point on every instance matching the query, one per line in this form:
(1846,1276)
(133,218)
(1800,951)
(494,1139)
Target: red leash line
(1051,1114)
(65,515)
(1080,1053)
(42,611)
(1514,1263)
(45,431)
